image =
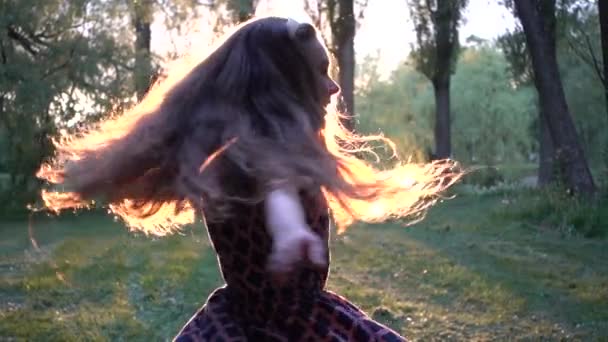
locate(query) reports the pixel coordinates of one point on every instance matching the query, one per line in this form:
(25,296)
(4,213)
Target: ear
(299,31)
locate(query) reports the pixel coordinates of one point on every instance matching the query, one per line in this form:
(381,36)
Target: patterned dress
(254,306)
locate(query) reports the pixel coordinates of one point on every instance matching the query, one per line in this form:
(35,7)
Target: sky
(386,29)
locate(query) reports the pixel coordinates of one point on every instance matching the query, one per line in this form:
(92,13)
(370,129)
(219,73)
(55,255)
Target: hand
(294,246)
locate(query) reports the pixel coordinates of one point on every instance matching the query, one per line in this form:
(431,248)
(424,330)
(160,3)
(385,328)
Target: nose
(333,87)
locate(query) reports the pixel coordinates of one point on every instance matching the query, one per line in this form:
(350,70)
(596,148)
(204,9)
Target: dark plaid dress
(253,306)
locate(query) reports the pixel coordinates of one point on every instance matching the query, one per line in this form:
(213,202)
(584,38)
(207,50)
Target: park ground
(482,266)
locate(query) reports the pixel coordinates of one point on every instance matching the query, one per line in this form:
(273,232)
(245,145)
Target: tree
(513,45)
(400,108)
(436,23)
(573,30)
(231,12)
(584,36)
(492,119)
(580,60)
(142,13)
(338,17)
(586,101)
(603,16)
(569,152)
(241,10)
(60,63)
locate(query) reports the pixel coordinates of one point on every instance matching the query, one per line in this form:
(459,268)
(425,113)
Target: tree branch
(596,63)
(26,44)
(3,52)
(44,34)
(362,6)
(56,68)
(588,56)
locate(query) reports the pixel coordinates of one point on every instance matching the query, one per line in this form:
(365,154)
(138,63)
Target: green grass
(90,279)
(470,271)
(466,274)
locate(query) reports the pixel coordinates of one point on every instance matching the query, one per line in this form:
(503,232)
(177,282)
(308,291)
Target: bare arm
(284,212)
(293,240)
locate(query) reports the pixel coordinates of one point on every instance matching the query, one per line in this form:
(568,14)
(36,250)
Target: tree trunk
(603,13)
(446,44)
(345,50)
(546,152)
(143,61)
(346,61)
(547,80)
(442,118)
(546,166)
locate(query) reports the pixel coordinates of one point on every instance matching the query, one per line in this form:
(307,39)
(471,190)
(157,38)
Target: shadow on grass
(462,274)
(90,279)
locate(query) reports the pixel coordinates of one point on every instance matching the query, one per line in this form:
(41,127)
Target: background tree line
(536,95)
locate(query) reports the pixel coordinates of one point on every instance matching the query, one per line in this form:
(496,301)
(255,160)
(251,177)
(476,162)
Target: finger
(281,261)
(316,252)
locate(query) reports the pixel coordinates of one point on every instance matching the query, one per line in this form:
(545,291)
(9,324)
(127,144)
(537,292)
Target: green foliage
(61,63)
(485,177)
(241,10)
(401,108)
(436,23)
(577,40)
(553,208)
(492,117)
(231,12)
(585,96)
(513,45)
(582,82)
(491,120)
(603,178)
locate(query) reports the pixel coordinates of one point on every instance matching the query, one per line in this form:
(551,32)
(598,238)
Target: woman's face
(319,62)
(327,85)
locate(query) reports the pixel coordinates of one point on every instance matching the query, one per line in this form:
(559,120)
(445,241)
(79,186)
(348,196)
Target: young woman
(244,137)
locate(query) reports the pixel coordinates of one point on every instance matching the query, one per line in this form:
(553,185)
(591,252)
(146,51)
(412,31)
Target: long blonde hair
(227,129)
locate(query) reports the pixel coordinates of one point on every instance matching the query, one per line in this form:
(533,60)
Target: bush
(485,177)
(554,208)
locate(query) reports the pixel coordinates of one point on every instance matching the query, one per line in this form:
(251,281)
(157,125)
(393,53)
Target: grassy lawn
(468,272)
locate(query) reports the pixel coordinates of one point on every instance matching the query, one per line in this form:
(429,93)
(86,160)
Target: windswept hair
(227,129)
